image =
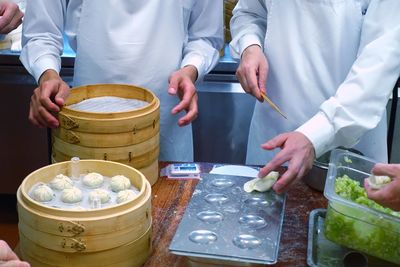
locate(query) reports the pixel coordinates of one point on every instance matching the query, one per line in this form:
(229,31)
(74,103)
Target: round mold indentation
(252,221)
(222,183)
(203,237)
(237,190)
(216,198)
(257,201)
(210,216)
(245,241)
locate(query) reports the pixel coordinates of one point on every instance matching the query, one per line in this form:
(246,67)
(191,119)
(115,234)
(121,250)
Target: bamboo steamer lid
(129,137)
(67,237)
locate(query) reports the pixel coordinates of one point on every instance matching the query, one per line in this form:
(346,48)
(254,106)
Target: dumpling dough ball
(42,193)
(93,180)
(100,194)
(125,195)
(71,195)
(119,182)
(61,182)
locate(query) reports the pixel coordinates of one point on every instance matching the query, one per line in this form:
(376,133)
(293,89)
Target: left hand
(295,149)
(181,82)
(389,194)
(10,17)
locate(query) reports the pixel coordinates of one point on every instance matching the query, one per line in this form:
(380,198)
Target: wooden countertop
(169,200)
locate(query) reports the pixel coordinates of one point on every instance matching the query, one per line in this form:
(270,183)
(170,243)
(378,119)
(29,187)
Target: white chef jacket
(332,67)
(139,42)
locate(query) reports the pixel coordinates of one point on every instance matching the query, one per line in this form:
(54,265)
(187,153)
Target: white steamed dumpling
(99,194)
(261,184)
(71,195)
(93,180)
(119,182)
(377,181)
(42,193)
(125,195)
(61,182)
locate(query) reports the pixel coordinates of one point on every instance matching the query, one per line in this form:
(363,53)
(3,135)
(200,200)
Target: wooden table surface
(169,200)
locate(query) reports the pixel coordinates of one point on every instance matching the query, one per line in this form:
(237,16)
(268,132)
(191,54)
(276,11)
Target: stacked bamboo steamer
(117,236)
(130,137)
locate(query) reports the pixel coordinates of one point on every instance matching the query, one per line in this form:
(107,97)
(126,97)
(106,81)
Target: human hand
(181,82)
(389,194)
(8,257)
(51,86)
(295,149)
(253,71)
(10,17)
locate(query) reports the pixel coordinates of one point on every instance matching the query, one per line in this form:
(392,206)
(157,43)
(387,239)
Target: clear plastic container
(353,225)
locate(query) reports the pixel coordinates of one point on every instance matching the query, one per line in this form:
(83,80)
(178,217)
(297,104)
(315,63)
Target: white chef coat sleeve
(361,99)
(205,36)
(248,26)
(42,36)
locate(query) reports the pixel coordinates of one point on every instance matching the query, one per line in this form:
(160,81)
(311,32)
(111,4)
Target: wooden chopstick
(272,105)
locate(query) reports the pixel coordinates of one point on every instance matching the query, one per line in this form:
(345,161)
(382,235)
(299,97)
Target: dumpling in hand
(61,182)
(93,180)
(119,182)
(42,193)
(102,195)
(71,195)
(125,195)
(261,184)
(377,182)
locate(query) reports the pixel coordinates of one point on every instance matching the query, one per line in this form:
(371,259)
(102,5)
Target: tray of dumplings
(228,219)
(84,192)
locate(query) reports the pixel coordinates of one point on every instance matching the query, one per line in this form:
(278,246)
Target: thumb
(173,85)
(262,78)
(275,142)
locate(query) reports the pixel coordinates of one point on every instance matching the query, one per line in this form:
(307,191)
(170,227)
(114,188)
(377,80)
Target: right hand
(389,194)
(8,257)
(10,17)
(51,88)
(253,71)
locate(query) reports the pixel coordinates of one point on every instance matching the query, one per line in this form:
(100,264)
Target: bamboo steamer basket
(129,137)
(119,235)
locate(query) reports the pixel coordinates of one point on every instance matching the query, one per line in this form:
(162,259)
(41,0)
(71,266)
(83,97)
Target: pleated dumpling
(119,182)
(93,180)
(42,193)
(61,182)
(102,195)
(71,195)
(125,195)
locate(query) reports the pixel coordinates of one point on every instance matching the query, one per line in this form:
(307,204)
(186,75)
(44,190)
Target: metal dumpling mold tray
(222,222)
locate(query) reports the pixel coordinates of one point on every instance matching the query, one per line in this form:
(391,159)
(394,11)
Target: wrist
(49,74)
(250,49)
(191,71)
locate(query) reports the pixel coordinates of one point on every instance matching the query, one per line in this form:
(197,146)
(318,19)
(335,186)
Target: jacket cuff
(319,131)
(44,63)
(197,61)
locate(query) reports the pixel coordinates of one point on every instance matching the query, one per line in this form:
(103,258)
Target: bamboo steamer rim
(153,104)
(145,185)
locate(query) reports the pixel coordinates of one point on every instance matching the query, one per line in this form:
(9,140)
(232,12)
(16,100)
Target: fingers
(275,142)
(11,17)
(191,114)
(295,170)
(262,77)
(15,263)
(42,107)
(392,170)
(6,254)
